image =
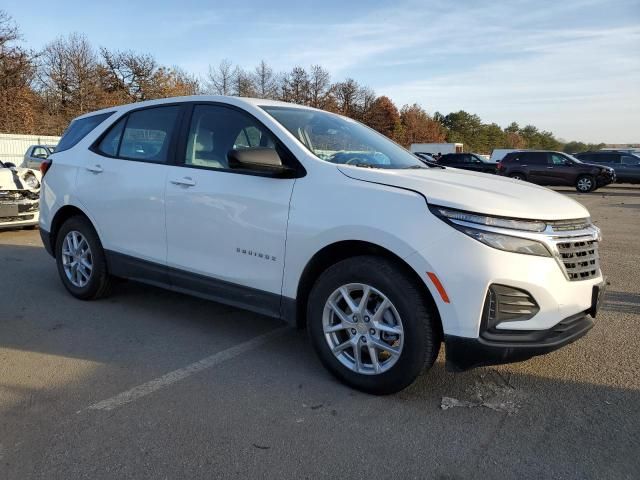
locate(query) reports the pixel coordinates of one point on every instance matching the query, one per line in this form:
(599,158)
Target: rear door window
(532,158)
(142,135)
(147,134)
(78,129)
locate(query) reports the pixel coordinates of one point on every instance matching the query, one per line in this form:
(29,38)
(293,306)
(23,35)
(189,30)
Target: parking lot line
(175,376)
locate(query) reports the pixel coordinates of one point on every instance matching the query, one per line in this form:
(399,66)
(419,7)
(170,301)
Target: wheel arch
(295,311)
(61,216)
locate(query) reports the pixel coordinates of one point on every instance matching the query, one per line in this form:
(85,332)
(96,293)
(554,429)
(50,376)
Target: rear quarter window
(80,128)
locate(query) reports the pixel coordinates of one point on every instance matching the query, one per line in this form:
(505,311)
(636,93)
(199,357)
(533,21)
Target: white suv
(308,216)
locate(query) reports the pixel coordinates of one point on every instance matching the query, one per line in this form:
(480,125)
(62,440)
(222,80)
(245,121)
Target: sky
(568,66)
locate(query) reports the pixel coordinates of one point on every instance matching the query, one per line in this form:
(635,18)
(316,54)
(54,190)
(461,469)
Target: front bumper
(23,220)
(464,353)
(46,241)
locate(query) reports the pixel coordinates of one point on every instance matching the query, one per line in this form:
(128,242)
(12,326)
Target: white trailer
(434,148)
(499,153)
(14,146)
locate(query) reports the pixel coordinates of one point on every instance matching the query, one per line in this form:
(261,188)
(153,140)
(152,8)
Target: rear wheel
(585,184)
(517,176)
(371,325)
(80,260)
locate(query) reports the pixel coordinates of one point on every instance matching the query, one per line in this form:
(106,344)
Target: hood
(476,192)
(15,179)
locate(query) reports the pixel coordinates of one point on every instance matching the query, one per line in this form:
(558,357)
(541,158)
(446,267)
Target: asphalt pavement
(154,384)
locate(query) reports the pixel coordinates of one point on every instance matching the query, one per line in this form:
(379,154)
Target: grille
(21,218)
(17,195)
(580,259)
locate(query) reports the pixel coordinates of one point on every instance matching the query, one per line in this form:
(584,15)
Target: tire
(410,311)
(518,176)
(97,283)
(585,184)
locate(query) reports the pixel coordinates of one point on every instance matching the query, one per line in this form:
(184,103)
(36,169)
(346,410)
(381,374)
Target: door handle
(550,168)
(95,169)
(184,182)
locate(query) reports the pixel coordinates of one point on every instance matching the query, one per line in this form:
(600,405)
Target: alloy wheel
(363,329)
(77,259)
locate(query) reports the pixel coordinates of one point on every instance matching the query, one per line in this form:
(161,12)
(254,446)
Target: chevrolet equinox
(316,219)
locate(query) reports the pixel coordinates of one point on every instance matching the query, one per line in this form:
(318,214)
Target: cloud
(579,83)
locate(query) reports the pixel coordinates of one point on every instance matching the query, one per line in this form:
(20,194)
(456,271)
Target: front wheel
(371,325)
(585,184)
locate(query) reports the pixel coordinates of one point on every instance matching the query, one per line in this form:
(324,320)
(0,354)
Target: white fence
(14,146)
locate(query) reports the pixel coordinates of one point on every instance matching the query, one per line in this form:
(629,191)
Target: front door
(560,170)
(226,229)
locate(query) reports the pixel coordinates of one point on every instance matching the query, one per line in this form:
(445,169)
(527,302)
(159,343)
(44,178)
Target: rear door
(123,180)
(534,166)
(629,169)
(226,229)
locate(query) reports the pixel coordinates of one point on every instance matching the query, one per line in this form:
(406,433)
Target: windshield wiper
(427,163)
(362,165)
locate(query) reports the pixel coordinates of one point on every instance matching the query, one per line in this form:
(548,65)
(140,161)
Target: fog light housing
(507,304)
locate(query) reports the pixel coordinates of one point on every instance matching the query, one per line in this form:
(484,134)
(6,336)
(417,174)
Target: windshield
(341,140)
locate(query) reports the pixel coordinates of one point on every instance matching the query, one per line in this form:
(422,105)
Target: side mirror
(10,165)
(258,159)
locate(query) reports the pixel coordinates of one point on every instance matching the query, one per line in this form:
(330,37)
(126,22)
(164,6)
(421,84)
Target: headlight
(508,243)
(501,241)
(32,182)
(499,222)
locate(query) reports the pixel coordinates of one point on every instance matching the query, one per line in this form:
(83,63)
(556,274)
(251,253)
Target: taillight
(499,166)
(44,166)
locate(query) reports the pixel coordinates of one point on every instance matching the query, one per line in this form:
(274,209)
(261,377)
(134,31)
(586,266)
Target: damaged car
(19,196)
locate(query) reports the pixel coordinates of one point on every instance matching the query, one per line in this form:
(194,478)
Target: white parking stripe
(182,373)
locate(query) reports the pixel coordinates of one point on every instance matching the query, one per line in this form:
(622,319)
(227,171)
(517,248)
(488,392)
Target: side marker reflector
(439,287)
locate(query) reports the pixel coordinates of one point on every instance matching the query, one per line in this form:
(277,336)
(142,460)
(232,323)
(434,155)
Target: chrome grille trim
(580,259)
(572,241)
(569,225)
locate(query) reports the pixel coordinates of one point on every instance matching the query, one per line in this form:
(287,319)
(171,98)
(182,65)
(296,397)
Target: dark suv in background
(626,165)
(555,168)
(467,161)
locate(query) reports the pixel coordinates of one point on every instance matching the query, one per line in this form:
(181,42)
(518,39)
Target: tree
(319,87)
(347,95)
(265,81)
(463,127)
(243,85)
(19,104)
(132,77)
(68,80)
(418,127)
(384,117)
(295,86)
(221,78)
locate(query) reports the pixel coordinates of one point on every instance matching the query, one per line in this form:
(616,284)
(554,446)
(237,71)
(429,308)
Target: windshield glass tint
(341,140)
